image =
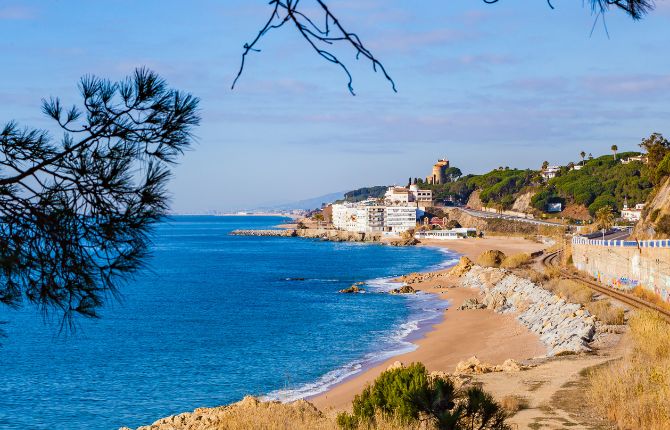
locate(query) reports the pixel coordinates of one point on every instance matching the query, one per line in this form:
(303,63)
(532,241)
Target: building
(453,234)
(632,214)
(402,195)
(439,173)
(640,158)
(399,219)
(421,196)
(550,172)
(398,195)
(369,216)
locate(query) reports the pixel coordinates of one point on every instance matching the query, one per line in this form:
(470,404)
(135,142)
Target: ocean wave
(426,309)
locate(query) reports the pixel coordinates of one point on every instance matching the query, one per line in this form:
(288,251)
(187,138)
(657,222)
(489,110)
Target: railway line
(552,260)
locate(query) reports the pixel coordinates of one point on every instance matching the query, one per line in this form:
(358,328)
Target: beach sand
(492,337)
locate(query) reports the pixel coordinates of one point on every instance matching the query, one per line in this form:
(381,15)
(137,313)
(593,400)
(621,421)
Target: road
(483,214)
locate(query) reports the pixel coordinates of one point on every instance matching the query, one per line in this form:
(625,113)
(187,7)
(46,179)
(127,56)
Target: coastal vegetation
(634,392)
(410,394)
(364,193)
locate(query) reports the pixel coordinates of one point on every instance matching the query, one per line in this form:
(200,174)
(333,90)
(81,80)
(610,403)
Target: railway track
(629,299)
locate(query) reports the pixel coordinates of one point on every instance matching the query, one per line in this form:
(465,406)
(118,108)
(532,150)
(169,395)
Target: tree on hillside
(605,218)
(583,155)
(77,211)
(614,150)
(321,29)
(657,147)
(545,164)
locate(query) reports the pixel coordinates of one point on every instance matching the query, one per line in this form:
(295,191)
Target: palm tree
(614,150)
(545,164)
(604,218)
(583,155)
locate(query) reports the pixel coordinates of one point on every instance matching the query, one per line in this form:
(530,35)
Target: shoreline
(440,345)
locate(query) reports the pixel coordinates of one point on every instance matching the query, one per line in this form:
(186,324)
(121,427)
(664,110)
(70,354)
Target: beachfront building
(632,214)
(369,216)
(453,234)
(399,219)
(421,197)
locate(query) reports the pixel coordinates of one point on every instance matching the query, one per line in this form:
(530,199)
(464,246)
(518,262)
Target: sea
(212,318)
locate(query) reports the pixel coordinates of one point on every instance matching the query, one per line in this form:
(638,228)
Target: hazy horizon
(484,85)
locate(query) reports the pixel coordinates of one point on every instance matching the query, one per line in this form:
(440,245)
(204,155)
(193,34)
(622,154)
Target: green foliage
(657,147)
(361,194)
(602,202)
(604,217)
(405,393)
(663,168)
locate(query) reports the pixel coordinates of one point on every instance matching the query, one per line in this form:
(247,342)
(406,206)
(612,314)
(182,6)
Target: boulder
(464,265)
(405,289)
(471,304)
(352,290)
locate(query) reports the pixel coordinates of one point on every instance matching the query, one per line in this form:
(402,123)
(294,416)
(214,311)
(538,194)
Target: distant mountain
(312,203)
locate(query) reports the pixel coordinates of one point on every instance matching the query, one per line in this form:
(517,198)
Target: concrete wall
(626,264)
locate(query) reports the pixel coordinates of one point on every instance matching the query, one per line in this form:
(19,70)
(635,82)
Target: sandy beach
(492,337)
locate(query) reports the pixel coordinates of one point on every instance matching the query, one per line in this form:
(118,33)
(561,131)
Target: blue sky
(511,84)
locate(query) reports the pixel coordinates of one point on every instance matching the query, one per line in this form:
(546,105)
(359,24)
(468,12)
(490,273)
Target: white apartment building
(421,196)
(399,219)
(402,195)
(366,217)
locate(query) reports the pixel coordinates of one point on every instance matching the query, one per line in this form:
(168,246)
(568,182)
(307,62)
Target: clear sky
(513,84)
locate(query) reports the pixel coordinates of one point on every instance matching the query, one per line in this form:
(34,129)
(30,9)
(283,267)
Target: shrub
(654,214)
(650,297)
(606,313)
(405,393)
(635,392)
(514,403)
(663,225)
(515,261)
(491,258)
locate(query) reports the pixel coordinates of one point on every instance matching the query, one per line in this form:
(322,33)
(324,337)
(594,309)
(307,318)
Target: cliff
(655,221)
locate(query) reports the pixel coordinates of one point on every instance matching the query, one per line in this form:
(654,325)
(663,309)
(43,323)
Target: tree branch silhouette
(320,37)
(76,213)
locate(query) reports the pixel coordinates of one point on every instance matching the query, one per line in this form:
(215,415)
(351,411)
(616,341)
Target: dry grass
(491,258)
(634,393)
(516,261)
(251,414)
(551,272)
(650,297)
(570,290)
(605,312)
(514,403)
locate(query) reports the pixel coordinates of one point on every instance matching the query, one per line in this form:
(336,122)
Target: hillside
(601,181)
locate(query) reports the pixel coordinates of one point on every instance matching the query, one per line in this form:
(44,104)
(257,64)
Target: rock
(405,289)
(464,265)
(352,290)
(405,242)
(510,365)
(471,304)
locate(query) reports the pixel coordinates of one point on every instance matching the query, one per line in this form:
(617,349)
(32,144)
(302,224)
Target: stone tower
(439,174)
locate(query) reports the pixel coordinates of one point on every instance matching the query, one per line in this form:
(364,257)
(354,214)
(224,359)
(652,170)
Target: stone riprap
(563,327)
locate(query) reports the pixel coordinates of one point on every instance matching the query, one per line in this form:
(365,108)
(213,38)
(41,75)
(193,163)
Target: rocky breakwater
(563,327)
(265,233)
(315,233)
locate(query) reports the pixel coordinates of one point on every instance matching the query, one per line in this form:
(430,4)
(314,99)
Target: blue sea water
(213,318)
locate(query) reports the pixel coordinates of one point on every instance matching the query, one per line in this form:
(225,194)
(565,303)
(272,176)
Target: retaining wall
(626,264)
